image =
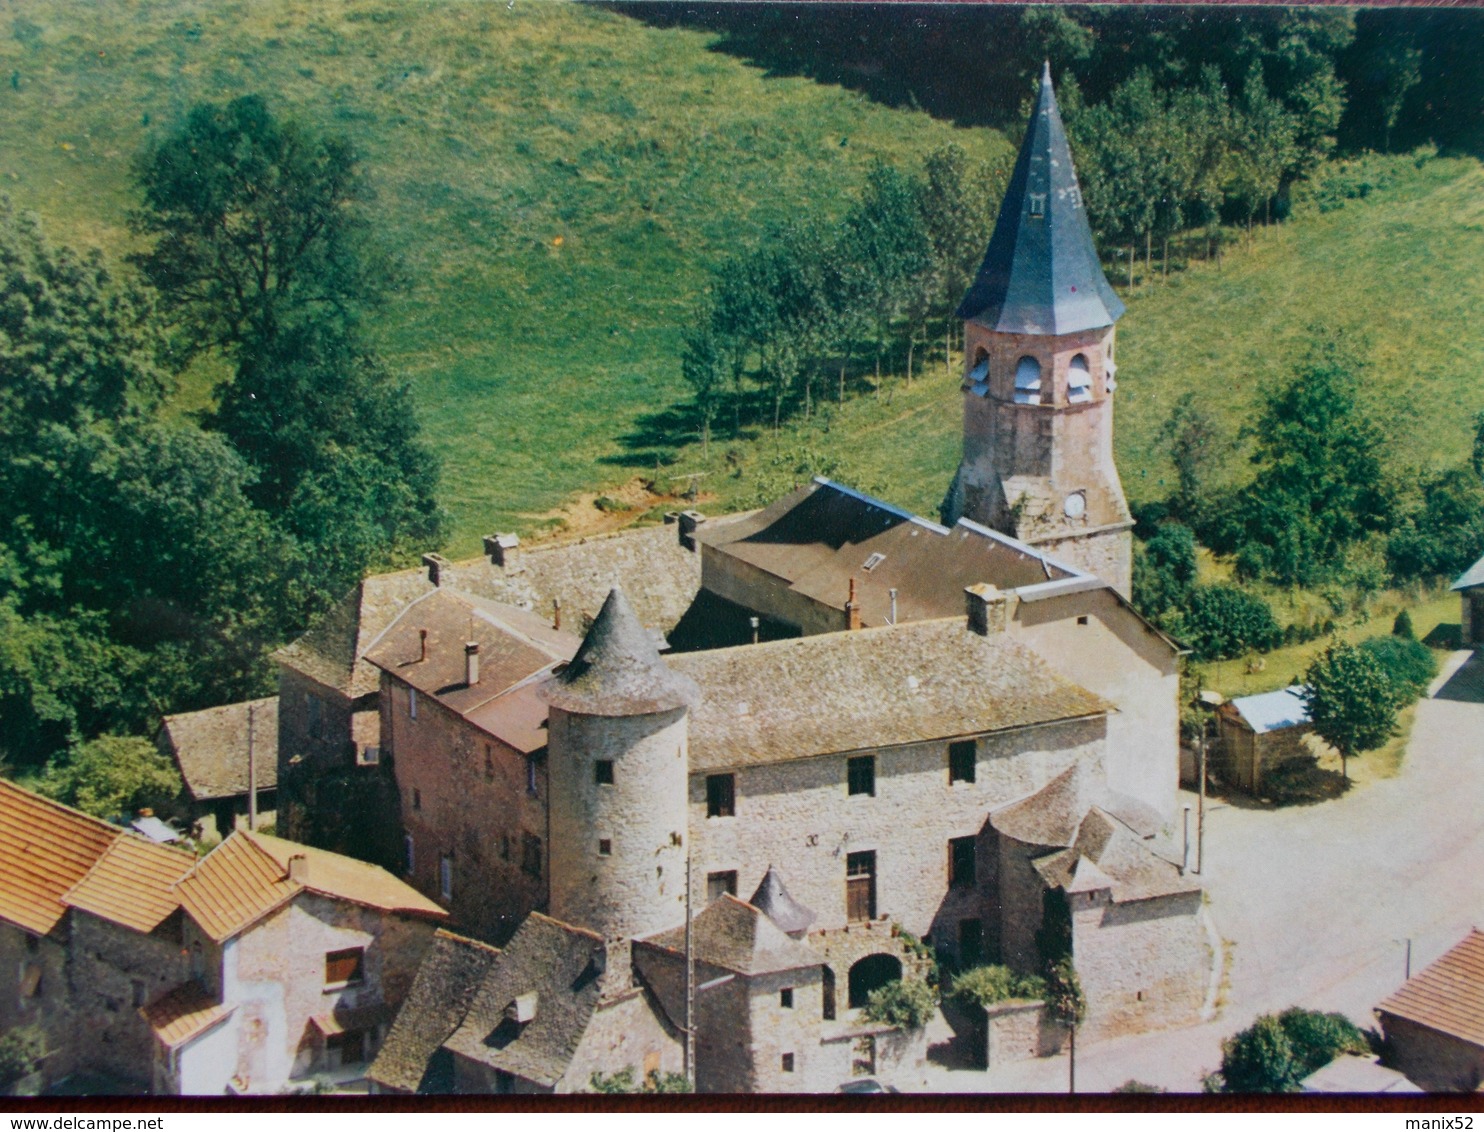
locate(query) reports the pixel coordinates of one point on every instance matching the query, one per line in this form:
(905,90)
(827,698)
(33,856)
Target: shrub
(905,1003)
(21,1051)
(1317,1039)
(985,986)
(1409,663)
(1402,626)
(1278,1051)
(1221,622)
(1132,1086)
(113,775)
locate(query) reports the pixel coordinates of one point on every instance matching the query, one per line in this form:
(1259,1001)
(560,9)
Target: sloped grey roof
(732,934)
(1273,711)
(450,975)
(772,898)
(1107,855)
(868,688)
(562,966)
(618,670)
(1050,816)
(1473,576)
(1041,274)
(210,747)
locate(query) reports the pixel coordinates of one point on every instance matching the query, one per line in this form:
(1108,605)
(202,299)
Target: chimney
(471,663)
(440,569)
(989,608)
(689,521)
(754,622)
(299,868)
(422,645)
(852,610)
(501,549)
(892,593)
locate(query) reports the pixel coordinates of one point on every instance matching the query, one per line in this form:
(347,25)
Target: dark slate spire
(1041,274)
(618,670)
(772,900)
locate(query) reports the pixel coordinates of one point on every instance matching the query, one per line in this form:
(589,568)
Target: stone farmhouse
(885,728)
(1434,1022)
(223,754)
(262,965)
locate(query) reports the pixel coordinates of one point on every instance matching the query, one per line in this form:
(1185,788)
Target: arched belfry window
(1079,381)
(1027,381)
(978,381)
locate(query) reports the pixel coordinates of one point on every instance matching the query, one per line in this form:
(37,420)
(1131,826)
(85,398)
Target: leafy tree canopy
(1277,1052)
(114,775)
(1409,663)
(1220,622)
(1351,700)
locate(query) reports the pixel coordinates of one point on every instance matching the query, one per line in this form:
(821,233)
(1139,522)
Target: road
(1316,903)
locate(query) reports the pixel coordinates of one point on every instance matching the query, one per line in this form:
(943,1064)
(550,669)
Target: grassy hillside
(560,179)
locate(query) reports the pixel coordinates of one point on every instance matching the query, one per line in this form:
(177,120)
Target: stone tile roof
(183,1013)
(562,966)
(732,934)
(210,747)
(819,537)
(450,974)
(866,689)
(1107,856)
(661,576)
(247,876)
(773,899)
(1473,576)
(514,645)
(1041,274)
(618,670)
(1050,816)
(45,849)
(1447,996)
(133,883)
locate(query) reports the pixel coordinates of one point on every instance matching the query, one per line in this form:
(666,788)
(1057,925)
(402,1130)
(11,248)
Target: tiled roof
(45,849)
(868,688)
(132,884)
(1108,856)
(559,964)
(450,974)
(1447,996)
(1049,817)
(618,670)
(210,747)
(247,876)
(183,1013)
(732,934)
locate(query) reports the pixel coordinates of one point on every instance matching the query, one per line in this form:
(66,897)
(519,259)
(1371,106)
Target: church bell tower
(1039,370)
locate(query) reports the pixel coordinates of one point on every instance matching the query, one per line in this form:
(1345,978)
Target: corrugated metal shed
(1470,578)
(1272,711)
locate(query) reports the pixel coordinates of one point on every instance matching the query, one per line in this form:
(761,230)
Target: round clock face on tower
(1075,505)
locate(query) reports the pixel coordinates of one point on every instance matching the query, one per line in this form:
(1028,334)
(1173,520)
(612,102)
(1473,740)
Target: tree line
(150,559)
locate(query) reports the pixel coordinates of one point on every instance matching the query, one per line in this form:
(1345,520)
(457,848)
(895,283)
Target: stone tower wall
(639,887)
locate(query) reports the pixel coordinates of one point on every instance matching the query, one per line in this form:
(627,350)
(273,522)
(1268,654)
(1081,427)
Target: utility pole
(252,776)
(690,983)
(1200,814)
(1072,1059)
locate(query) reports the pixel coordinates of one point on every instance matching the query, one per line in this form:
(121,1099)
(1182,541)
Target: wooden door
(860,886)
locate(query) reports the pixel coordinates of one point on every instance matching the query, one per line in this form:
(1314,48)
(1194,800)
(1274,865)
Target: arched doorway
(871,972)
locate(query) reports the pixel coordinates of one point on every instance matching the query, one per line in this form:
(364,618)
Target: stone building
(221,752)
(1039,381)
(1470,589)
(1256,734)
(1434,1024)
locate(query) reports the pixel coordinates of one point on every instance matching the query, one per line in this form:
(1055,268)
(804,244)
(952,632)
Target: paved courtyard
(1315,903)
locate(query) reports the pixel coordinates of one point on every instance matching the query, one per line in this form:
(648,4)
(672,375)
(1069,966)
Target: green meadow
(560,180)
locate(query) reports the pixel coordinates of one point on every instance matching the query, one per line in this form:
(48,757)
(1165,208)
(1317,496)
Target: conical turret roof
(1041,274)
(772,899)
(618,670)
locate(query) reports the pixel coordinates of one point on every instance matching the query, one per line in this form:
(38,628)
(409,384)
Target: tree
(114,775)
(1277,1052)
(1220,622)
(1164,571)
(1402,626)
(1195,441)
(1409,663)
(1066,1004)
(1351,701)
(905,1003)
(1441,535)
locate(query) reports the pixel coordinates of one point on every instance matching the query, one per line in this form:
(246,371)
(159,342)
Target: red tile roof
(45,849)
(183,1013)
(1447,996)
(133,883)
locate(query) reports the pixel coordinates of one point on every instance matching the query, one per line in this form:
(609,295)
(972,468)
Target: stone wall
(1107,553)
(466,796)
(1019,1031)
(1436,1062)
(307,753)
(115,971)
(1020,905)
(753,588)
(40,994)
(1143,964)
(798,816)
(628,1031)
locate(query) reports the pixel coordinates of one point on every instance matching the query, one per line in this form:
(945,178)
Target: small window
(1079,381)
(721,795)
(140,991)
(531,787)
(874,561)
(961,761)
(605,847)
(860,775)
(489,762)
(445,876)
(788,1063)
(370,756)
(342,968)
(1028,381)
(961,862)
(721,884)
(411,703)
(1082,620)
(504,847)
(417,799)
(603,772)
(1038,205)
(786,998)
(409,853)
(530,855)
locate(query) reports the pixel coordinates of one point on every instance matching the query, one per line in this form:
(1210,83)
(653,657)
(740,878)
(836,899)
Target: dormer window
(1079,381)
(873,561)
(1028,382)
(1038,205)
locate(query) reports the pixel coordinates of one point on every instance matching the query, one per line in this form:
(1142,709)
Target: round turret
(617,769)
